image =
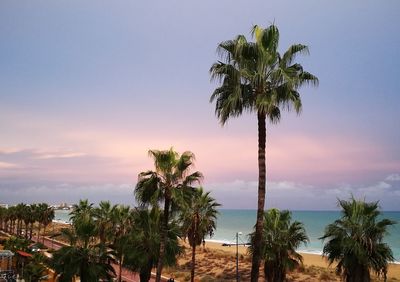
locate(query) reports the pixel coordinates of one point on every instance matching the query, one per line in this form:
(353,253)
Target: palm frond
(295,49)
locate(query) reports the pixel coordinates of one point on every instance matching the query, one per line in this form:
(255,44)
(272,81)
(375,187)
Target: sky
(88,87)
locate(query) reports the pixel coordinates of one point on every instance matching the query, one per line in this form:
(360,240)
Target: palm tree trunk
(255,264)
(30,231)
(193,262)
(145,272)
(38,232)
(163,236)
(120,268)
(44,232)
(26,230)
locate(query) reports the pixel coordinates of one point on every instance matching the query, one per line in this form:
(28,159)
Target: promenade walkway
(127,275)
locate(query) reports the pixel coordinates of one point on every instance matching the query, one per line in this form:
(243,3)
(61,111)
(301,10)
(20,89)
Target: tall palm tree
(144,242)
(47,218)
(19,212)
(27,218)
(41,216)
(83,221)
(355,241)
(12,215)
(254,77)
(122,220)
(32,219)
(281,237)
(83,211)
(103,218)
(167,183)
(198,220)
(3,214)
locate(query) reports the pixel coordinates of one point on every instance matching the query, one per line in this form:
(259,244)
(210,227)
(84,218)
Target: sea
(232,221)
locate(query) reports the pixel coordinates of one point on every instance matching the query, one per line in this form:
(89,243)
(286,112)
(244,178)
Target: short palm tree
(15,243)
(144,243)
(83,257)
(355,241)
(199,218)
(90,264)
(35,270)
(254,77)
(171,178)
(280,240)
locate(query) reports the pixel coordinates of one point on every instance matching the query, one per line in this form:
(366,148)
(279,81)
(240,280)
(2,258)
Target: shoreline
(241,245)
(309,259)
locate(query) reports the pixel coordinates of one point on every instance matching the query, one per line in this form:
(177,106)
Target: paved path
(127,275)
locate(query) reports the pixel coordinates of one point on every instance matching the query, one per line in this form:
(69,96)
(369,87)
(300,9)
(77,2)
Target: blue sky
(87,87)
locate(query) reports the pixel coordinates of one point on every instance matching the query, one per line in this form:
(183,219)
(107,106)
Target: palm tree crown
(355,241)
(255,77)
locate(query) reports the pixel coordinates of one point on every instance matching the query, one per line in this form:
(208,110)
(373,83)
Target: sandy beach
(310,260)
(218,263)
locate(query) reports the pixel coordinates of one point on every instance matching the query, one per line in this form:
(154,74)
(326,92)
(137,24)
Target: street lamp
(237,255)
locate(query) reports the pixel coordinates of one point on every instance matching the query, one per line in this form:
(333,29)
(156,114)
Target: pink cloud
(222,155)
(326,159)
(6,165)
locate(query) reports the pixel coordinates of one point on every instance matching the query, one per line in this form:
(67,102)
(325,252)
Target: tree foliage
(281,238)
(168,183)
(355,241)
(198,218)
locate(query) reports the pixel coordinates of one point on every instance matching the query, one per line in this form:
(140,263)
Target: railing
(8,276)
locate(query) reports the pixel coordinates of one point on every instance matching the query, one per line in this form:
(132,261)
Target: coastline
(314,261)
(309,259)
(213,242)
(217,244)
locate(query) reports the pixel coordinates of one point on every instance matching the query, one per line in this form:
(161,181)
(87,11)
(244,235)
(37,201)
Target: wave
(61,221)
(302,251)
(224,241)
